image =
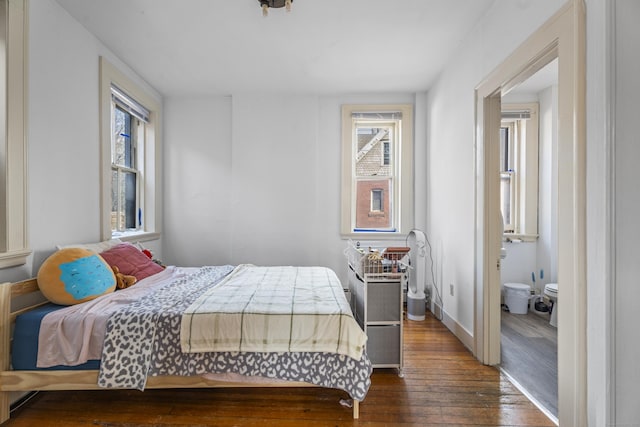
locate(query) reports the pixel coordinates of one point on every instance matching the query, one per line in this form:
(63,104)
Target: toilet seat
(551,290)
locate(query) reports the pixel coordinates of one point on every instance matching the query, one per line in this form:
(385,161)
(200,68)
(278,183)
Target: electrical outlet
(451,289)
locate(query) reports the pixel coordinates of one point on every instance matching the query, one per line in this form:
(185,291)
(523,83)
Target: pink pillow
(130,261)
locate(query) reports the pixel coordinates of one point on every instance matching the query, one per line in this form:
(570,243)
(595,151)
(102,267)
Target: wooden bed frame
(81,380)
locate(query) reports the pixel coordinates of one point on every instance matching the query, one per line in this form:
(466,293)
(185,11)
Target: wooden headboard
(8,293)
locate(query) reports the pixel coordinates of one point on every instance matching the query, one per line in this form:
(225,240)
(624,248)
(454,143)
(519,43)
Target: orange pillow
(130,261)
(74,275)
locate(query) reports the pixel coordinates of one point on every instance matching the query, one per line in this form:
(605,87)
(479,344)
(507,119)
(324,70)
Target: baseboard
(461,333)
(436,310)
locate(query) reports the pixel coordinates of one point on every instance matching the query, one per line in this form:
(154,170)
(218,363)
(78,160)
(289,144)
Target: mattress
(24,353)
(141,338)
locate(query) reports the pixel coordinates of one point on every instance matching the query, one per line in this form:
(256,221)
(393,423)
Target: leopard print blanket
(143,340)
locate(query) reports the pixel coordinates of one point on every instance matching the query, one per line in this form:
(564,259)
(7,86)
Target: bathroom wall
(547,245)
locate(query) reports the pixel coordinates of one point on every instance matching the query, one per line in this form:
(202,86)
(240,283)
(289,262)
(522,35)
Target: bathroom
(529,194)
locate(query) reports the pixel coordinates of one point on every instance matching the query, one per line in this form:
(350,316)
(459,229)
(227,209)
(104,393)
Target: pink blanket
(73,335)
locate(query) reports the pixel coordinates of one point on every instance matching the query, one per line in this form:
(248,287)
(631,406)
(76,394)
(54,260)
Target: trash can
(516,297)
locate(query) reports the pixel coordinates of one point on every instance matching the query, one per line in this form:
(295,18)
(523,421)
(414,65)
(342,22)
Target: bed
(169,330)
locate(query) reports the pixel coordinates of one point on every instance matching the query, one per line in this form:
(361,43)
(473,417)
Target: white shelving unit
(376,286)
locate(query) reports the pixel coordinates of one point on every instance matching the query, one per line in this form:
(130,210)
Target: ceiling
(188,47)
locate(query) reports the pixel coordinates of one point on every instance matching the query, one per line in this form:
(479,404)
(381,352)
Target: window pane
(387,153)
(123,200)
(504,149)
(371,159)
(374,173)
(117,220)
(130,200)
(505,200)
(122,153)
(371,194)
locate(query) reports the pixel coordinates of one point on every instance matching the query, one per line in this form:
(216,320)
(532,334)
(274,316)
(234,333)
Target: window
(376,200)
(386,156)
(377,162)
(13,163)
(507,176)
(130,149)
(519,170)
(128,121)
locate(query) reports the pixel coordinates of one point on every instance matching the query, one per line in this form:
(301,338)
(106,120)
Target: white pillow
(94,247)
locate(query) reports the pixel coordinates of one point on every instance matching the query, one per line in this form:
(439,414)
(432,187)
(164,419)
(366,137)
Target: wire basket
(386,262)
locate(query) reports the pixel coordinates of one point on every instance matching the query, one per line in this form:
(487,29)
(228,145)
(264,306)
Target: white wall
(62,134)
(278,166)
(256,179)
(450,165)
(519,263)
(198,170)
(626,350)
(547,245)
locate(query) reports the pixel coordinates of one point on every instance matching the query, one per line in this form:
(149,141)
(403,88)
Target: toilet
(516,297)
(551,292)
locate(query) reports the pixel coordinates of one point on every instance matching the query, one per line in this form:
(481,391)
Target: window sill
(136,236)
(518,238)
(14,258)
(379,235)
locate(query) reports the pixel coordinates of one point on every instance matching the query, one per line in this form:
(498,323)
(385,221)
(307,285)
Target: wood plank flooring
(529,353)
(443,385)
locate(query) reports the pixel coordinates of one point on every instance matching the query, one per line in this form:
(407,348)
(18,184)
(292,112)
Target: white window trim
(403,185)
(13,233)
(526,174)
(151,201)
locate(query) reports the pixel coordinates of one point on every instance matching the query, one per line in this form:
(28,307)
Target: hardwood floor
(443,385)
(529,354)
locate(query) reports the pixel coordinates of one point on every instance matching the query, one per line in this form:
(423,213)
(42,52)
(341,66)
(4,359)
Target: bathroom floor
(529,353)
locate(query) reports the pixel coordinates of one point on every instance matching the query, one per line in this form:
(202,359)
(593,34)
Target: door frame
(562,37)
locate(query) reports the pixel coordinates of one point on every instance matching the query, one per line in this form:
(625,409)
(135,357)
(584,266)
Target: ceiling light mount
(266,4)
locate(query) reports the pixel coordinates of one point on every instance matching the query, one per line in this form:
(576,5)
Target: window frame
(14,248)
(136,134)
(402,179)
(508,171)
(148,160)
(524,152)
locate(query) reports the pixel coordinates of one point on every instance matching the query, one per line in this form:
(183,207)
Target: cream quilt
(273,309)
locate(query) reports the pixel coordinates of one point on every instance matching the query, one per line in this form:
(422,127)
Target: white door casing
(562,36)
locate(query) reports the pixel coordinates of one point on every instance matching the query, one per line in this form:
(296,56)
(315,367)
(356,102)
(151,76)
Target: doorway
(528,202)
(561,37)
